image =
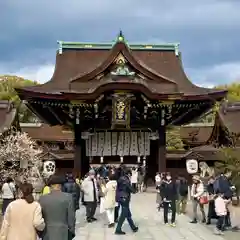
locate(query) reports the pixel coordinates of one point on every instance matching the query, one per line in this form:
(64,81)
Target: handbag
(203,200)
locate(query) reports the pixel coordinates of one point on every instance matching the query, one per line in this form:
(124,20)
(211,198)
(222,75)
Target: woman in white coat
(134,178)
(110,199)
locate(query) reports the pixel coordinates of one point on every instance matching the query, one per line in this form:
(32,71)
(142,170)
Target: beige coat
(21,221)
(197,190)
(110,194)
(88,190)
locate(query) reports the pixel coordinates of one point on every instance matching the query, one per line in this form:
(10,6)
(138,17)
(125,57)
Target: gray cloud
(208,30)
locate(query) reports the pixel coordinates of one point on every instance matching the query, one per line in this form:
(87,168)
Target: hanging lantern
(192,166)
(139,159)
(101,159)
(121,159)
(49,168)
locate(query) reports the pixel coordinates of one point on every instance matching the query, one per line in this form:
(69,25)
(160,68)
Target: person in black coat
(71,187)
(123,197)
(168,192)
(211,205)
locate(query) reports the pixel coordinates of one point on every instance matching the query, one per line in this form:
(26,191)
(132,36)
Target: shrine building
(119,99)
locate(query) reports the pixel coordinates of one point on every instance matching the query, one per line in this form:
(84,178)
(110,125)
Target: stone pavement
(149,221)
(235,219)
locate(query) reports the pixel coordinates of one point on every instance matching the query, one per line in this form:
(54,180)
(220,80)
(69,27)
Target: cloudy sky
(208,32)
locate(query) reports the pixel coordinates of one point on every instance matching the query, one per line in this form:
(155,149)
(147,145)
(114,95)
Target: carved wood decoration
(53,146)
(121,103)
(69,146)
(121,68)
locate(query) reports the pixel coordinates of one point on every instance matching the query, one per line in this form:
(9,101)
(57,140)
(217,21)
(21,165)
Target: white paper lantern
(49,168)
(192,166)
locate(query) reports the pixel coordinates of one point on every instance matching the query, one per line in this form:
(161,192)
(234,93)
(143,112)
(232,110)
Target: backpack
(183,189)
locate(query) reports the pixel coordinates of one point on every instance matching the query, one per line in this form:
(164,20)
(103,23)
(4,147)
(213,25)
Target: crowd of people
(217,193)
(53,215)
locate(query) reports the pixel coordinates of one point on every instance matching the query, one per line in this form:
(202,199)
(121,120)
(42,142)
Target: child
(221,211)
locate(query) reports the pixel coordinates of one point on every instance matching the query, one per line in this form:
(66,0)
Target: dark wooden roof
(195,135)
(226,130)
(8,115)
(205,153)
(192,135)
(229,114)
(45,132)
(77,72)
(57,155)
(202,153)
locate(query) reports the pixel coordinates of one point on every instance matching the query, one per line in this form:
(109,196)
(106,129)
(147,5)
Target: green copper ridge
(120,38)
(88,45)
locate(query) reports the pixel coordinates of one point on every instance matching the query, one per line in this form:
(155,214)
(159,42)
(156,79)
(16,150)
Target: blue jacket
(124,189)
(223,185)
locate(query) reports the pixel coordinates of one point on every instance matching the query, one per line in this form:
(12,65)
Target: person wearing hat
(58,212)
(197,191)
(90,195)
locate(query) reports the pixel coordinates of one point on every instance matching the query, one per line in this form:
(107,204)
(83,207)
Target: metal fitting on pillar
(71,113)
(145,111)
(96,110)
(144,161)
(163,118)
(121,159)
(77,116)
(101,159)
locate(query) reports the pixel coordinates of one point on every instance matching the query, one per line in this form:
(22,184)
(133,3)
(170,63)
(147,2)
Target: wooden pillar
(162,161)
(77,151)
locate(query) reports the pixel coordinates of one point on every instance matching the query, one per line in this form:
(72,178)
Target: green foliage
(173,139)
(233,96)
(233,91)
(230,164)
(7,92)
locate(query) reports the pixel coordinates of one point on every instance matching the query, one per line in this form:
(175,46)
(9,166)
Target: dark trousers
(134,186)
(166,207)
(125,214)
(90,209)
(227,220)
(5,204)
(211,211)
(116,213)
(220,223)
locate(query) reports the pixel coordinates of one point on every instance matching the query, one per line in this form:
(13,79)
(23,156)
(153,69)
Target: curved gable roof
(79,63)
(122,48)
